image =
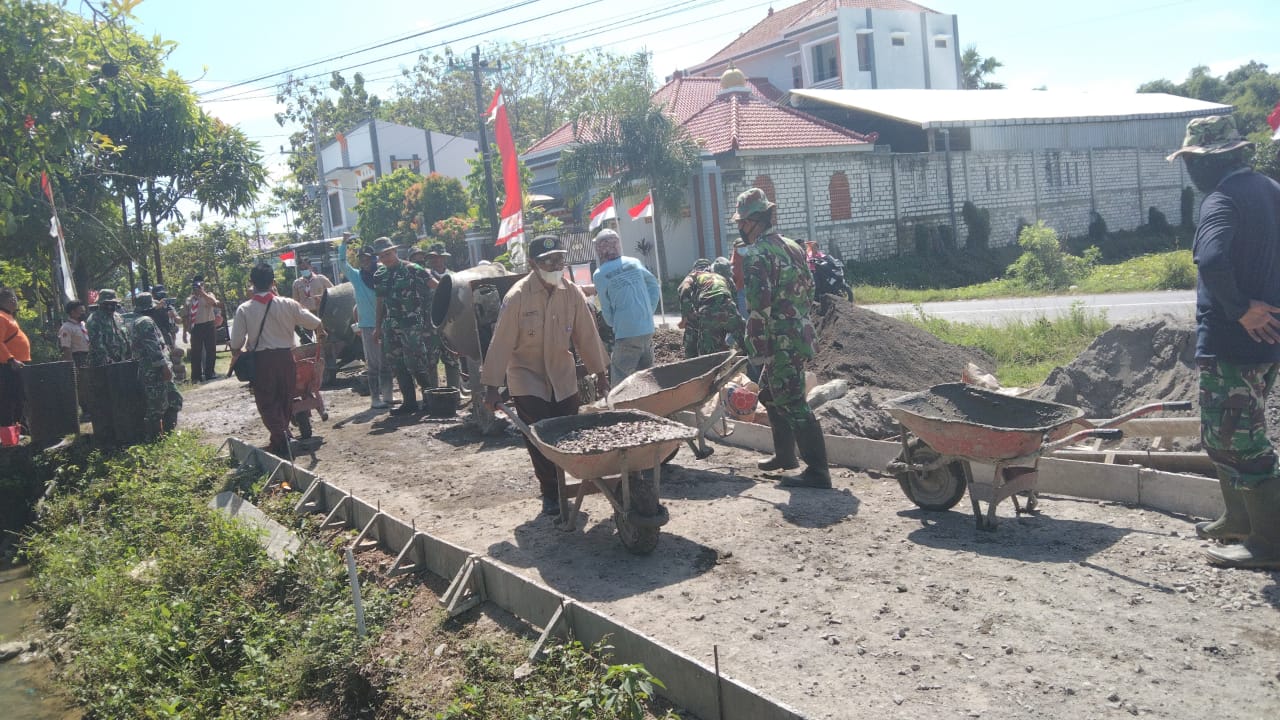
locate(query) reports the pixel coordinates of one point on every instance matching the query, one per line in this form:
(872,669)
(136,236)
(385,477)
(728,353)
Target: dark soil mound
(668,345)
(872,349)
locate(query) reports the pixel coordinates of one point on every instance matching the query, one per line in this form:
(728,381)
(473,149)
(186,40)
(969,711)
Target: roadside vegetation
(159,606)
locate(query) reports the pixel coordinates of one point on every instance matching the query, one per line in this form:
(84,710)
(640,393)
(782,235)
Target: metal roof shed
(910,120)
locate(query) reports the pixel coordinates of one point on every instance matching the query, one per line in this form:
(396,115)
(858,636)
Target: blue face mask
(306,273)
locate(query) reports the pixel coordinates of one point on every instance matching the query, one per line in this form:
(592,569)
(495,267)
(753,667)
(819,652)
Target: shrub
(1186,207)
(1177,271)
(1044,265)
(978,222)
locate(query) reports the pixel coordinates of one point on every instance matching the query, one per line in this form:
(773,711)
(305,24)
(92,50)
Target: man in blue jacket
(628,295)
(1237,254)
(376,371)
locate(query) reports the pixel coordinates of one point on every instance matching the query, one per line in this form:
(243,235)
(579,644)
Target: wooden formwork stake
(310,502)
(558,618)
(467,589)
(374,529)
(407,562)
(331,520)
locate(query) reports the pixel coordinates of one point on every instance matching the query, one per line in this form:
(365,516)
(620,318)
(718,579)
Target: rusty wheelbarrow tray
(616,472)
(670,388)
(309,366)
(949,426)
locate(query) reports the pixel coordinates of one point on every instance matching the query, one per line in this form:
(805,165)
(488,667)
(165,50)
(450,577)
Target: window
(864,52)
(826,61)
(898,39)
(940,43)
(838,191)
(335,210)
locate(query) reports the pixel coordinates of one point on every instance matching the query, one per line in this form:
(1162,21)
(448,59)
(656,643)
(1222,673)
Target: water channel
(28,688)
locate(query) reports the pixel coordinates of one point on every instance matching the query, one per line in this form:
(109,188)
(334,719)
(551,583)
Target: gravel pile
(583,441)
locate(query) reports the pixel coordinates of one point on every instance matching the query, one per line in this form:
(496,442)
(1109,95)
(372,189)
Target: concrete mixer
(465,310)
(337,310)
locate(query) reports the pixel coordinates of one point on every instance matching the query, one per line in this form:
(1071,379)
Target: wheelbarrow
(616,471)
(309,365)
(693,385)
(950,426)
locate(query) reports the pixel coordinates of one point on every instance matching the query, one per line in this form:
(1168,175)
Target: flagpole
(657,259)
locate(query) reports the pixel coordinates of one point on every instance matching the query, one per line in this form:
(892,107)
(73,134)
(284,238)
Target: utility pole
(323,191)
(478,68)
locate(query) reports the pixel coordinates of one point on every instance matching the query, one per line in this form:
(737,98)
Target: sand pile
(1129,365)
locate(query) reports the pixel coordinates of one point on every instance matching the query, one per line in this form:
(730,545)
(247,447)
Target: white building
(849,44)
(376,148)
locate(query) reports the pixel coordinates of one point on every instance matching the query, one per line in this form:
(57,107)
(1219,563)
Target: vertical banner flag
(642,209)
(511,225)
(288,258)
(64,281)
(600,213)
(1274,121)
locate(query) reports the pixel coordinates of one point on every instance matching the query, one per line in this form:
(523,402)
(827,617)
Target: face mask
(550,277)
(306,273)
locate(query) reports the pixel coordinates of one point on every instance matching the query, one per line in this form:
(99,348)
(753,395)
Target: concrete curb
(691,685)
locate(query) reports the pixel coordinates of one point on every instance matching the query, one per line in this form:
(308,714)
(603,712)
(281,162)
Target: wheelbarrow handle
(515,420)
(1171,406)
(1103,433)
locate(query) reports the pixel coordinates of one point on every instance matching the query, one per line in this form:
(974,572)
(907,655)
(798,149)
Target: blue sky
(1100,45)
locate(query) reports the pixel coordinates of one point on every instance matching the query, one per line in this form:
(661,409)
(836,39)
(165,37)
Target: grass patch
(1025,352)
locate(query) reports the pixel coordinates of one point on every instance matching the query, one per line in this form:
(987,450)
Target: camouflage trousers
(406,349)
(782,390)
(1233,423)
(161,398)
(437,353)
(708,335)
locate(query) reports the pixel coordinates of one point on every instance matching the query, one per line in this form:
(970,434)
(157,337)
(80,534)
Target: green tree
(632,147)
(975,69)
(1044,265)
(381,205)
(219,251)
(433,199)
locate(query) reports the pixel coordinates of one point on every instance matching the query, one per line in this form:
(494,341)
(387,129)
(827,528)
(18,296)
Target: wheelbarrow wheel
(936,490)
(638,530)
(303,421)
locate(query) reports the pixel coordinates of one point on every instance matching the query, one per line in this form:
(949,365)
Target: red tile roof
(737,121)
(778,22)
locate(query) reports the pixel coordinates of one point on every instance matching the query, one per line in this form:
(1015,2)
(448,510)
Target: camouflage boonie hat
(1210,135)
(701,264)
(383,244)
(143,301)
(544,245)
(439,250)
(107,295)
(723,267)
(417,252)
(751,202)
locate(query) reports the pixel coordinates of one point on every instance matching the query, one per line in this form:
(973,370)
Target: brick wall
(890,194)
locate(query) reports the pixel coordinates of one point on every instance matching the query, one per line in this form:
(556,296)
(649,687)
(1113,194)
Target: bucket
(739,402)
(443,401)
(9,435)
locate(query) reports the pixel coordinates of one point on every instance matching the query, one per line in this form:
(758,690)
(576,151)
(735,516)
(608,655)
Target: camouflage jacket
(148,345)
(405,291)
(108,338)
(779,290)
(702,291)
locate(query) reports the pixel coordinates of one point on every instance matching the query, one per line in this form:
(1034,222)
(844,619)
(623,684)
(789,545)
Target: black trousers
(204,351)
(531,409)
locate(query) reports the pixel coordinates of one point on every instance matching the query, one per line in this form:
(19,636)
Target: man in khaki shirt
(543,319)
(198,329)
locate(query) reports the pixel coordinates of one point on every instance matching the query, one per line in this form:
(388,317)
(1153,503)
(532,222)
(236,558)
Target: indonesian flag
(511,225)
(642,209)
(1274,121)
(288,258)
(600,213)
(63,269)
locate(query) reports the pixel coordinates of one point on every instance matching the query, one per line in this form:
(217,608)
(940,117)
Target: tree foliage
(219,251)
(432,199)
(1044,265)
(975,69)
(381,205)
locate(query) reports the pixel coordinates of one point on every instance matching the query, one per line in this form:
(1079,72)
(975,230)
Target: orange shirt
(13,342)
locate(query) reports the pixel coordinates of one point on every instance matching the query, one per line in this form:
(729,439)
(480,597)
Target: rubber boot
(407,392)
(1261,549)
(1234,523)
(813,449)
(169,421)
(784,444)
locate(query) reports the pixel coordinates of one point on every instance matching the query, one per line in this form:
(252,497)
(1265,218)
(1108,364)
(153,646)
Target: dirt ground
(847,603)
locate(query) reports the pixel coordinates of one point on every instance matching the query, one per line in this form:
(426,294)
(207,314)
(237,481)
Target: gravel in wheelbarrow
(591,434)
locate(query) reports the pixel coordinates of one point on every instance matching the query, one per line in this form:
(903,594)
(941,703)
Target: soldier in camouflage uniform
(163,401)
(403,290)
(708,311)
(433,260)
(108,338)
(1237,255)
(779,290)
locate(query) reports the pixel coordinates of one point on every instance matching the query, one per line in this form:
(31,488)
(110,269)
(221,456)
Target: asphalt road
(1118,307)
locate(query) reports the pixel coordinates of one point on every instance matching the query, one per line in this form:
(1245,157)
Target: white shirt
(277,331)
(74,335)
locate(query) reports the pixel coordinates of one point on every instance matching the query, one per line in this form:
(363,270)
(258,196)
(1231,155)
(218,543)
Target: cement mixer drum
(459,312)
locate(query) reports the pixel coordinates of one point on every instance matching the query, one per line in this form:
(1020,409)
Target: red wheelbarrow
(308,362)
(947,427)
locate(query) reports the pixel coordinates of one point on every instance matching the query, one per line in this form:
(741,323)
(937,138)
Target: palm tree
(630,145)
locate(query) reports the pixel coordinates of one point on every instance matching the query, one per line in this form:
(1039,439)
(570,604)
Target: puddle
(28,689)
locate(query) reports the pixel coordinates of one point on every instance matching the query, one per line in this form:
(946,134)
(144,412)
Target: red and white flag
(600,213)
(511,224)
(63,269)
(1274,121)
(642,209)
(288,258)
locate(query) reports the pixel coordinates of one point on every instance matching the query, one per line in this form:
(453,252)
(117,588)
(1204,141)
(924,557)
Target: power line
(479,16)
